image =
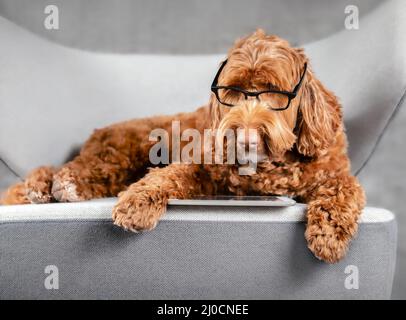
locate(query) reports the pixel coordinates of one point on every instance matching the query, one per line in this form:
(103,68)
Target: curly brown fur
(35,189)
(38,185)
(16,194)
(303,154)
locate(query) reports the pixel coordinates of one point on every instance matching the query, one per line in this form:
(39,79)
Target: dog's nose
(247,138)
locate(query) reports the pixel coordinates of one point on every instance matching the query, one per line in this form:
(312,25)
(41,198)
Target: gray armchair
(53,96)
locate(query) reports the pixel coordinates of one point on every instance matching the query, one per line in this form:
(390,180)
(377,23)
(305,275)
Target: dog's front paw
(65,188)
(326,242)
(330,228)
(138,210)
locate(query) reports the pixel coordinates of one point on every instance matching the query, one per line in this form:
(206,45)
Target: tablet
(241,201)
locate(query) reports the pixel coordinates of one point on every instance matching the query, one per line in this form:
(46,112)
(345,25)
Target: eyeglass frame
(291,95)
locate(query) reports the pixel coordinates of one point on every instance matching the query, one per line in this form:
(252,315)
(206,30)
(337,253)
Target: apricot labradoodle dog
(264,85)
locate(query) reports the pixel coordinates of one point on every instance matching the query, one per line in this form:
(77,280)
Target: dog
(263,85)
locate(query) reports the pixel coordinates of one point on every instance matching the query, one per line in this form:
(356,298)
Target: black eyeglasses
(275,99)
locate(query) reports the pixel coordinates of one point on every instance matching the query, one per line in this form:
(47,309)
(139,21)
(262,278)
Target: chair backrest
(52,97)
(181,26)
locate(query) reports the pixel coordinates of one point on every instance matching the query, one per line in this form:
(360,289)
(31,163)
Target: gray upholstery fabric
(366,69)
(194,253)
(181,26)
(384,181)
(7,176)
(53,97)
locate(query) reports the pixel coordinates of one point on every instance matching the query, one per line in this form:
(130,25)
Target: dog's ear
(215,112)
(319,117)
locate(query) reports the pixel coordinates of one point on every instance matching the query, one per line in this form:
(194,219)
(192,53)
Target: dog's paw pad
(65,191)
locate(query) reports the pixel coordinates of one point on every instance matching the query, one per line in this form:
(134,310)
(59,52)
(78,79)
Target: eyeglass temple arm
(214,83)
(296,89)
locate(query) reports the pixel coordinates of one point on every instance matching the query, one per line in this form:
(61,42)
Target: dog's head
(266,63)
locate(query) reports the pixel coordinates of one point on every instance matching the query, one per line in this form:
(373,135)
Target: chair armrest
(194,253)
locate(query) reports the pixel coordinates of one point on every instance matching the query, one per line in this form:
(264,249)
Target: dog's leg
(334,207)
(113,157)
(35,189)
(144,202)
(107,161)
(14,195)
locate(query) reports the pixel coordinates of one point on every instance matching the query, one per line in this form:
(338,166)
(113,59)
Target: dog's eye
(230,96)
(274,100)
